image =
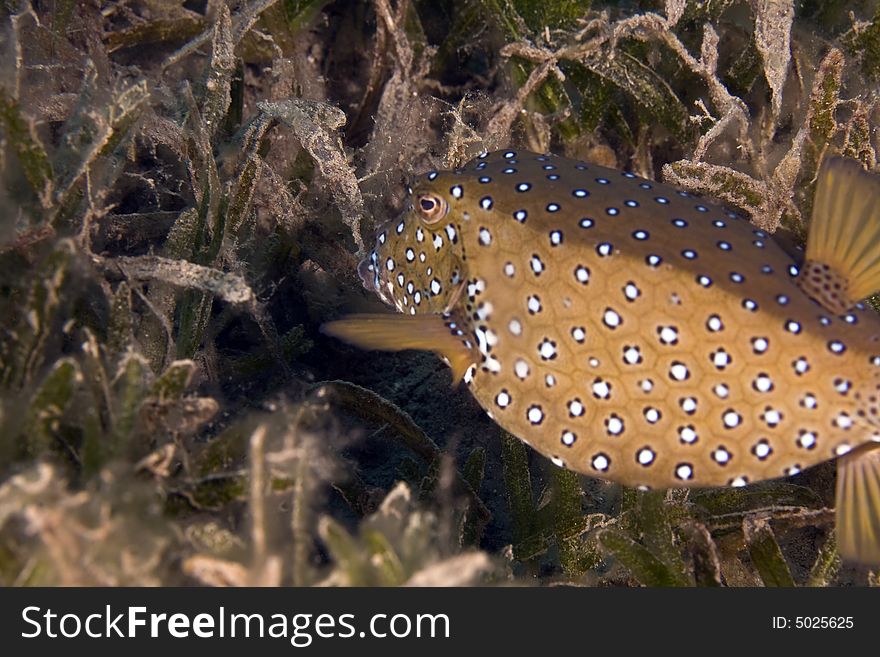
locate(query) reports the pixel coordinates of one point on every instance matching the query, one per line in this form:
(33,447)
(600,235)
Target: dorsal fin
(843,248)
(428,332)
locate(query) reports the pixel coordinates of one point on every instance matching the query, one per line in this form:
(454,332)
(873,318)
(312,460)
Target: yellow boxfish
(632,331)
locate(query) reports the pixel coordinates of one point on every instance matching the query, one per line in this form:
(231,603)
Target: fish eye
(431,207)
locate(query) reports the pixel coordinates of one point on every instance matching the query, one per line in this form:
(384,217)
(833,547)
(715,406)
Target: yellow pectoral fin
(398,332)
(858,505)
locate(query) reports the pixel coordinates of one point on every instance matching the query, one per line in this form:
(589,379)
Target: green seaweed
(562,15)
(393,546)
(653,97)
(865,44)
(299,13)
(120,331)
(472,524)
(129,391)
(194,312)
(215,86)
(766,555)
(215,492)
(34,161)
(93,144)
(348,555)
(595,98)
(528,540)
(823,105)
(293,344)
(826,566)
(48,404)
(646,543)
(174,381)
(576,556)
(25,348)
(858,137)
(745,69)
(726,501)
(645,566)
(157,30)
(725,183)
(550,96)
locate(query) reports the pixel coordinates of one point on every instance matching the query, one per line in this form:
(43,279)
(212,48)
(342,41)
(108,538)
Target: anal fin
(427,332)
(843,248)
(858,505)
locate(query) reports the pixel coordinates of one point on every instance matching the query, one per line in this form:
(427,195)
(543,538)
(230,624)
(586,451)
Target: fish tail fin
(858,505)
(428,332)
(843,248)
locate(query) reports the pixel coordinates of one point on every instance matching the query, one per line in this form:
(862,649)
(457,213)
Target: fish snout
(367,271)
(373,281)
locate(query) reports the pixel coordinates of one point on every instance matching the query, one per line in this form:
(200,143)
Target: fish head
(416,264)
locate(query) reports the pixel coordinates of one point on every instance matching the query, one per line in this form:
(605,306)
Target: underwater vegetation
(186,190)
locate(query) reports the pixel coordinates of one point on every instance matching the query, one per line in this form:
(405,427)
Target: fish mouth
(366,269)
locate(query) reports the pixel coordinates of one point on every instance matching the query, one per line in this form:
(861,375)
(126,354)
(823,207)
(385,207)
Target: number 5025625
(823,622)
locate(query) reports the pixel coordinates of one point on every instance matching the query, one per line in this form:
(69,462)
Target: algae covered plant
(187,190)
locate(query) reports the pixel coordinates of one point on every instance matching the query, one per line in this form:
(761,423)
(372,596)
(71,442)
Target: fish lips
(367,271)
(371,279)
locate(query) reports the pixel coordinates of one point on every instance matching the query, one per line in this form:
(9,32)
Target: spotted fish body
(629,330)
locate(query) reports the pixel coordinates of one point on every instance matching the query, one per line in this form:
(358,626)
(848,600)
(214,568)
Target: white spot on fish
(687,435)
(535,414)
(646,456)
(611,319)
